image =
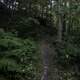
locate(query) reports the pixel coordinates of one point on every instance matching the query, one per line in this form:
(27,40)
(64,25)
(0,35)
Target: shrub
(69,50)
(18,57)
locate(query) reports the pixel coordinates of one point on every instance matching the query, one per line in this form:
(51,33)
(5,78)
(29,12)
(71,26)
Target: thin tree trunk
(60,26)
(60,30)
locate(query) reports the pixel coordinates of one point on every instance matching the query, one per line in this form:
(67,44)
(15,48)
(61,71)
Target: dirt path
(45,55)
(49,67)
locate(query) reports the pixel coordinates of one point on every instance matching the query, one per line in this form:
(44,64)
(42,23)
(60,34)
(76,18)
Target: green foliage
(27,27)
(69,50)
(17,57)
(42,18)
(35,27)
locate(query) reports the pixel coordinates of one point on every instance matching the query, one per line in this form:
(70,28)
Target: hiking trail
(48,57)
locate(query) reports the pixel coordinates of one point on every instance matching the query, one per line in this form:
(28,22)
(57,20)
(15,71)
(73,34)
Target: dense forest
(39,39)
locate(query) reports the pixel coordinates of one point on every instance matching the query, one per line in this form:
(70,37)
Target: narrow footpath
(48,56)
(45,55)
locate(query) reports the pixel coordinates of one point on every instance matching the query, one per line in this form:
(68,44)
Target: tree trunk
(60,22)
(60,30)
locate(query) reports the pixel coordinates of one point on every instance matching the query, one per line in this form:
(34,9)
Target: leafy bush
(18,57)
(69,50)
(68,53)
(27,27)
(35,27)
